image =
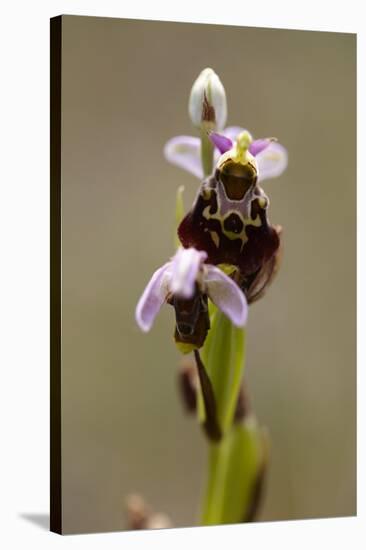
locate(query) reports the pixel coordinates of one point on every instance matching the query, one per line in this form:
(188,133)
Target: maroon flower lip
(229,218)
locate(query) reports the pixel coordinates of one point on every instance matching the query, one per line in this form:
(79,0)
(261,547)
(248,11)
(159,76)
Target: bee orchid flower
(185,152)
(185,282)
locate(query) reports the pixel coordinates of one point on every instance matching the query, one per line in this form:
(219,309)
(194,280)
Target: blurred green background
(125,86)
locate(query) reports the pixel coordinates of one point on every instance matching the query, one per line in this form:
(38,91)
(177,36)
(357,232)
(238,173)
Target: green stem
(223,356)
(207,151)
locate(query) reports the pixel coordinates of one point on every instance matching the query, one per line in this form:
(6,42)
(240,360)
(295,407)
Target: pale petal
(226,295)
(272,161)
(185,266)
(153,297)
(185,152)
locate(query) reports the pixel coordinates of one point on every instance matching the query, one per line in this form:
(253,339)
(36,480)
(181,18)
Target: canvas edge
(55,275)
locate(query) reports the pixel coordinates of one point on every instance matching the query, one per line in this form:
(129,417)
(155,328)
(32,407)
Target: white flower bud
(207,103)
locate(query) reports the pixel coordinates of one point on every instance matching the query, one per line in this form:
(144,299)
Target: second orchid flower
(186,282)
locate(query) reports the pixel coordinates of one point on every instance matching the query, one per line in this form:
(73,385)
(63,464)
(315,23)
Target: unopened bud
(188,382)
(137,512)
(159,521)
(242,406)
(207,102)
(139,515)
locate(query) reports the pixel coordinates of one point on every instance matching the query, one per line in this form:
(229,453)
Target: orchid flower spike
(180,278)
(270,156)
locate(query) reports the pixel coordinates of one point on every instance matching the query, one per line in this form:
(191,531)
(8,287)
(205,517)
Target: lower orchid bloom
(185,282)
(184,151)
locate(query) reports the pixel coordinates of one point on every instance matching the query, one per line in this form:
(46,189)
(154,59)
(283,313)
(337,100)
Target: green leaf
(223,356)
(236,469)
(179,213)
(246,458)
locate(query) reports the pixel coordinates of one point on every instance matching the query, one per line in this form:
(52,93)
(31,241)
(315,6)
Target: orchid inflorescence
(228,254)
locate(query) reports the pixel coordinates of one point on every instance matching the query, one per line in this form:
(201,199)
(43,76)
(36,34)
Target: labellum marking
(239,221)
(215,237)
(230,231)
